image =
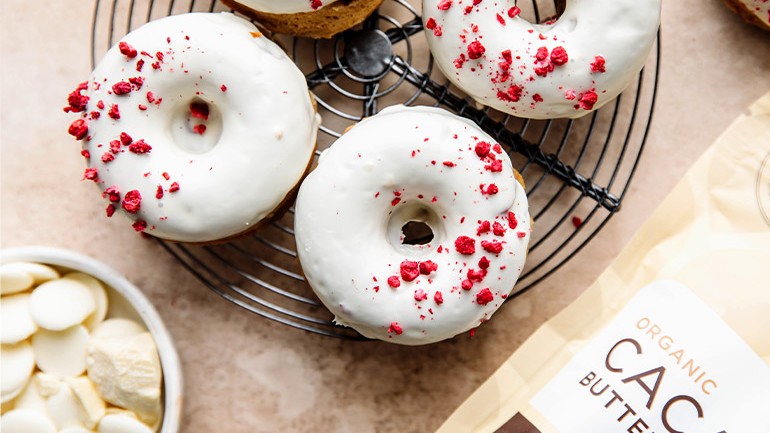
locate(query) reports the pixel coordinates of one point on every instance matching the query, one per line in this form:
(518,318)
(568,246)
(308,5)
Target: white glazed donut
(412,164)
(286,6)
(567,68)
(196,127)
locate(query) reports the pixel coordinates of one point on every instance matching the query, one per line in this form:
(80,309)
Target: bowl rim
(169,358)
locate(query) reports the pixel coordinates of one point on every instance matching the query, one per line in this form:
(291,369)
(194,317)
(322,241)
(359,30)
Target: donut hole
(196,125)
(416,233)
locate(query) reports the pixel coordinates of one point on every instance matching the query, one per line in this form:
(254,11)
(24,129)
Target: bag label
(666,364)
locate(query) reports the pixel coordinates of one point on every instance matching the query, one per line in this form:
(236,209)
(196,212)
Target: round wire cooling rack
(577,171)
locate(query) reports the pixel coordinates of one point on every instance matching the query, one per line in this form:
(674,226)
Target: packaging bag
(674,337)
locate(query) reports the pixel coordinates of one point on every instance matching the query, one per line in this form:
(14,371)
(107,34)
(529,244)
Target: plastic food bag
(674,337)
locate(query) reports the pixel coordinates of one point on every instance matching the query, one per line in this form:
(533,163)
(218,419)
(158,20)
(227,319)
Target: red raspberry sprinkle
(199,110)
(497,148)
(512,222)
(494,247)
(495,167)
(136,81)
(139,225)
(514,12)
(484,297)
(127,50)
(472,332)
(430,24)
(500,19)
(466,284)
(438,31)
(569,95)
(588,100)
(498,229)
(121,88)
(444,5)
(107,157)
(139,65)
(78,129)
(317,4)
(465,245)
(577,222)
(76,100)
(100,105)
(395,201)
(114,112)
(559,56)
(449,163)
(438,298)
(159,56)
(86,154)
(460,61)
(91,174)
(139,147)
(393,281)
(142,107)
(482,149)
(475,50)
(427,267)
(409,270)
(491,189)
(223,88)
(110,210)
(159,192)
(132,201)
(543,71)
(394,326)
(542,54)
(112,193)
(483,263)
(598,65)
(475,275)
(521,235)
(165,176)
(199,129)
(420,295)
(174,187)
(125,139)
(484,227)
(150,97)
(537,98)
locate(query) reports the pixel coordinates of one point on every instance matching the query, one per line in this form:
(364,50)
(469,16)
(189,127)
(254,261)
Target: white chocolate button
(100,297)
(122,424)
(63,408)
(31,399)
(47,384)
(112,410)
(75,430)
(16,322)
(91,404)
(61,353)
(58,304)
(40,273)
(25,421)
(117,328)
(18,361)
(14,280)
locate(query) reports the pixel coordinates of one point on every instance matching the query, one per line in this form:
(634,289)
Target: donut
(567,67)
(310,18)
(401,167)
(196,127)
(756,12)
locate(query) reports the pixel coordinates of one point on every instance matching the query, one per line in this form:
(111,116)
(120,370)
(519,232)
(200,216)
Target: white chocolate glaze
(196,185)
(522,72)
(760,8)
(285,6)
(410,164)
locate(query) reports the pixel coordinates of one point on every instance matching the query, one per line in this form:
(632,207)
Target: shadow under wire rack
(577,171)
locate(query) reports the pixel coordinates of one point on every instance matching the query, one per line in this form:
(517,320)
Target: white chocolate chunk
(40,273)
(25,421)
(59,304)
(122,424)
(99,294)
(127,373)
(63,408)
(61,353)
(14,280)
(16,322)
(91,404)
(31,399)
(47,385)
(17,361)
(117,328)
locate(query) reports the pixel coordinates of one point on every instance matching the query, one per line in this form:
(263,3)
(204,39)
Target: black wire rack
(577,171)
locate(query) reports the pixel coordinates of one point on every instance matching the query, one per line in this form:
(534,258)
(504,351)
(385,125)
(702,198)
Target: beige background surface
(245,374)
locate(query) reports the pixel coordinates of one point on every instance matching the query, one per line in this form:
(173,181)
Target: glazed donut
(310,18)
(564,68)
(405,165)
(756,12)
(196,127)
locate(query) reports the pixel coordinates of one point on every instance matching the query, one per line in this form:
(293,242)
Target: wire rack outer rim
(443,96)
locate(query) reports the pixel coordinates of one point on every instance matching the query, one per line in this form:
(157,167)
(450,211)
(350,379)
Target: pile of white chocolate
(65,369)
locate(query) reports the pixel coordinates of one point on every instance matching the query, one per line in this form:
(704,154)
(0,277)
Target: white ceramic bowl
(125,300)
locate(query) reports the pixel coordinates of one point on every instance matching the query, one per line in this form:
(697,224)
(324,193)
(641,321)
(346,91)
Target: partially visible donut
(196,127)
(756,12)
(426,166)
(309,18)
(563,68)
